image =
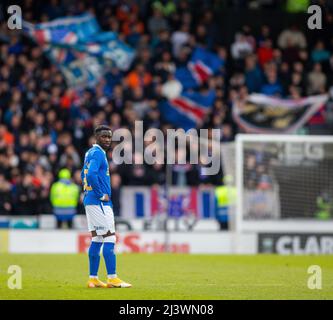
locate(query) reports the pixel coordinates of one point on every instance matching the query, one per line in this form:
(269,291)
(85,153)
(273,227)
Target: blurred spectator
(5,196)
(272,86)
(320,53)
(253,74)
(157,22)
(265,52)
(162,43)
(265,33)
(241,47)
(138,77)
(248,36)
(28,194)
(180,38)
(292,37)
(6,138)
(64,196)
(211,28)
(133,28)
(316,80)
(225,198)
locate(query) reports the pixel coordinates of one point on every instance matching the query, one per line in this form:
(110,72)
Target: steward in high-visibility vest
(64,197)
(225,199)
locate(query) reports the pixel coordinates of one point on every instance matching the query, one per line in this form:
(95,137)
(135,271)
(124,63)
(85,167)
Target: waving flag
(81,50)
(201,67)
(188,110)
(264,114)
(79,69)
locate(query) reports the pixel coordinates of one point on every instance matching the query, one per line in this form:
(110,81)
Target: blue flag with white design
(81,50)
(201,67)
(189,110)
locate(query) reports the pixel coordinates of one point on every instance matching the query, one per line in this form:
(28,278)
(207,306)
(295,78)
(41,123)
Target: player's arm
(92,175)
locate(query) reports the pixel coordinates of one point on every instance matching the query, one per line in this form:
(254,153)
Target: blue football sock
(109,257)
(94,257)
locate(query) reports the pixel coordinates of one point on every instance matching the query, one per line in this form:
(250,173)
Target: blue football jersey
(96,176)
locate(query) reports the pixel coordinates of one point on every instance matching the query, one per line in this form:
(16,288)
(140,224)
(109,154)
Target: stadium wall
(53,241)
(205,242)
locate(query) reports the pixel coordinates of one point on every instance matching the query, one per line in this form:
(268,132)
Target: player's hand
(105,197)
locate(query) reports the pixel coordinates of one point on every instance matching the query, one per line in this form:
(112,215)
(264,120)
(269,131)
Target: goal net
(284,183)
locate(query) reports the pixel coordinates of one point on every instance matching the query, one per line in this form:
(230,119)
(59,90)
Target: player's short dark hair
(102,128)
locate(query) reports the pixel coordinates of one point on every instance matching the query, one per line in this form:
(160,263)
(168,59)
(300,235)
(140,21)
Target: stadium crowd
(46,126)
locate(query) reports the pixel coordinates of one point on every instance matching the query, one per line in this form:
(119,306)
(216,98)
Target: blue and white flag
(79,69)
(189,110)
(81,50)
(201,67)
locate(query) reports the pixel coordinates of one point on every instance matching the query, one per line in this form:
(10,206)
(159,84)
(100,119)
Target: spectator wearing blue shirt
(320,53)
(273,86)
(253,74)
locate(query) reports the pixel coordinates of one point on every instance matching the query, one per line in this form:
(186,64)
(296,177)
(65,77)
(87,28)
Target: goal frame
(286,225)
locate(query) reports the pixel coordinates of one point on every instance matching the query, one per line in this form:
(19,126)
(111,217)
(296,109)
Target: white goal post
(284,183)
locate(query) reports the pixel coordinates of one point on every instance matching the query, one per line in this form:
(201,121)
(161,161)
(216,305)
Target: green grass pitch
(170,276)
